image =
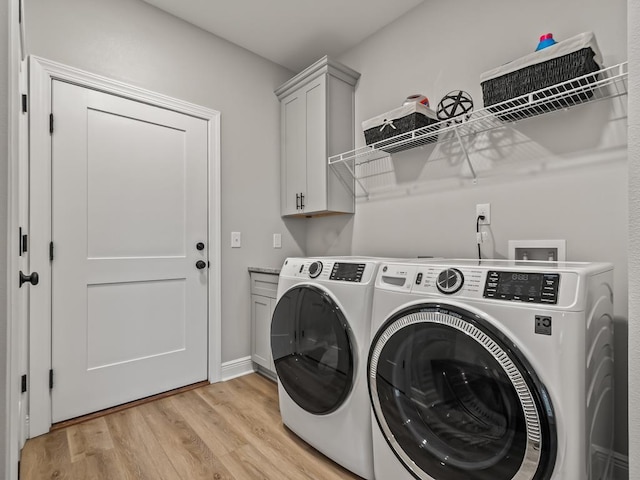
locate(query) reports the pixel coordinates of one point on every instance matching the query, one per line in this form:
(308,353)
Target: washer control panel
(522,286)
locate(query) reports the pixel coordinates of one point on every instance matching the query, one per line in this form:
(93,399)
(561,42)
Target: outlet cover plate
(484,209)
(236,239)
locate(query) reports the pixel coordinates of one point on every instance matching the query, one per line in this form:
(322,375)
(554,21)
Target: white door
(129,206)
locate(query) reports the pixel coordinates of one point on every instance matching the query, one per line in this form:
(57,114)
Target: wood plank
(100,465)
(225,431)
(137,448)
(264,391)
(247,463)
(188,453)
(216,432)
(46,457)
(88,438)
(273,439)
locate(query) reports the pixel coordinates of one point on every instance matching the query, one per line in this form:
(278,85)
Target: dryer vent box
(538,250)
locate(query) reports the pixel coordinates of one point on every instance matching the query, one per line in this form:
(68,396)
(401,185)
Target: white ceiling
(291,33)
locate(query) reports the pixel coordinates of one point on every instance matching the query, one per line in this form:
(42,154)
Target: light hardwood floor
(225,431)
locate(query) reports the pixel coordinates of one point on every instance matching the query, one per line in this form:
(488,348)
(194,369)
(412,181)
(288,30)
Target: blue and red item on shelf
(546,40)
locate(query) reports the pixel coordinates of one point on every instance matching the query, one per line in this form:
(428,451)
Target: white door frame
(15,311)
(41,74)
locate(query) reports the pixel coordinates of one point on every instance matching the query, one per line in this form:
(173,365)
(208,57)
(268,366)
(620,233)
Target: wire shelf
(609,82)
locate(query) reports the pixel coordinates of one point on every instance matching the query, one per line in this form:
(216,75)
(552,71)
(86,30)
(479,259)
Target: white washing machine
(320,334)
(492,370)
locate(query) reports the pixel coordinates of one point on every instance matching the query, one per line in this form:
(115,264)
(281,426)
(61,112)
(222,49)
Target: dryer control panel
(534,287)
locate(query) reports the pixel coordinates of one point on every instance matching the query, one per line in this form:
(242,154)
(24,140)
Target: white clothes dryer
(320,334)
(492,370)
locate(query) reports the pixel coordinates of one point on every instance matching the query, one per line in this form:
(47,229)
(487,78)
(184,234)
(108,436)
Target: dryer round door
(456,400)
(312,349)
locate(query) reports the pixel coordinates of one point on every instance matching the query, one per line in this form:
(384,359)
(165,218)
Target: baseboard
(266,373)
(237,368)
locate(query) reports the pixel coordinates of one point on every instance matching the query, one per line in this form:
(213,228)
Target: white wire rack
(609,82)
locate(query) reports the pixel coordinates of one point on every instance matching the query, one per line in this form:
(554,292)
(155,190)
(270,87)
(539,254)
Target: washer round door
(312,349)
(456,400)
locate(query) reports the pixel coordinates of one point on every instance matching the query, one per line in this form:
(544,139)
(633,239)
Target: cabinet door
(315,198)
(261,310)
(294,147)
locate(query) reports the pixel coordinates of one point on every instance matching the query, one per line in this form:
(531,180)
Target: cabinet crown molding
(325,65)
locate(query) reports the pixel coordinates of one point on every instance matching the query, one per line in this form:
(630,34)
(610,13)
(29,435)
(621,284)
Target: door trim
(42,72)
(14,417)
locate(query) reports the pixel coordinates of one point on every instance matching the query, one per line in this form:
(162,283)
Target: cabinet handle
(301,201)
(297,201)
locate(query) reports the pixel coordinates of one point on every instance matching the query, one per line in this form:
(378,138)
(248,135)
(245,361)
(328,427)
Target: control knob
(315,269)
(450,281)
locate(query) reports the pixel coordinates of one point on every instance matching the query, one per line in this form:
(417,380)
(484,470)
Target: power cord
(478,236)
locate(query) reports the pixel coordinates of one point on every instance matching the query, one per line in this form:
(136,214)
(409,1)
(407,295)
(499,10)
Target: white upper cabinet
(317,121)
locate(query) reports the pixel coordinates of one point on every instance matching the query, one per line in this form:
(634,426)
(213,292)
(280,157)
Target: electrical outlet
(236,240)
(484,209)
(277,240)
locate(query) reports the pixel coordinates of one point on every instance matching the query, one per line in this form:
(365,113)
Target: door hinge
(23,383)
(51,251)
(51,123)
(50,379)
(24,103)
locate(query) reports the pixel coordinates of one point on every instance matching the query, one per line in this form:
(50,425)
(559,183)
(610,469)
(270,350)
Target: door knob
(199,246)
(33,279)
(200,264)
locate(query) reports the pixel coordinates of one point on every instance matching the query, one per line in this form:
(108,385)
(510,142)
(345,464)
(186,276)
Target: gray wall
(4,160)
(634,236)
(563,176)
(131,41)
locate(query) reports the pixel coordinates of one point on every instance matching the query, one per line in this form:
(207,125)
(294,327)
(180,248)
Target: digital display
(520,284)
(348,272)
(523,286)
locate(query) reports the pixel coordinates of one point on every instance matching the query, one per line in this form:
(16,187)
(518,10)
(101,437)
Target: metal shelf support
(466,154)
